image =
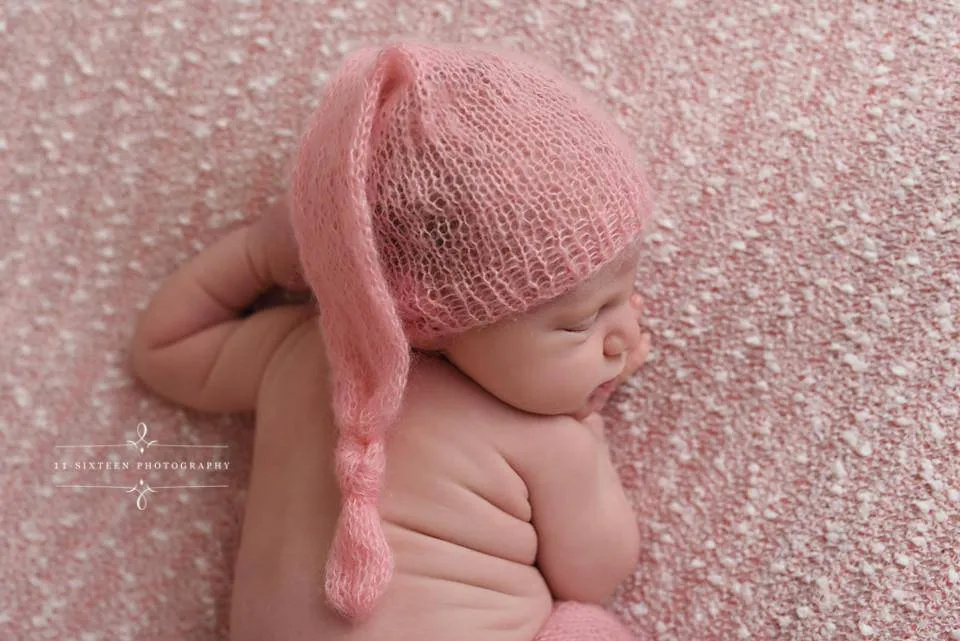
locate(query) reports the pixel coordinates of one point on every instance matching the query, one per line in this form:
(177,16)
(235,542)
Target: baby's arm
(588,540)
(191,344)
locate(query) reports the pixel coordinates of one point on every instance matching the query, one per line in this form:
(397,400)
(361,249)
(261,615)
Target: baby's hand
(638,356)
(274,246)
(273,250)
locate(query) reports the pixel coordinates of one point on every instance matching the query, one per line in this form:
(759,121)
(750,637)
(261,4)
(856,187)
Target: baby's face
(552,359)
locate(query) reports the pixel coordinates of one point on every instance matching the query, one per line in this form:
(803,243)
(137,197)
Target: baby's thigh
(278,576)
(273,606)
(288,525)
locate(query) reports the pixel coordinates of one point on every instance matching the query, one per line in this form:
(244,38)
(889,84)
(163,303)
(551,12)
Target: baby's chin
(533,402)
(578,409)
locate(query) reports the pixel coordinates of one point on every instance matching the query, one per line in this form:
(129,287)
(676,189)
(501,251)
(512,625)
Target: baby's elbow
(615,560)
(621,563)
(630,551)
(596,586)
(618,560)
(595,577)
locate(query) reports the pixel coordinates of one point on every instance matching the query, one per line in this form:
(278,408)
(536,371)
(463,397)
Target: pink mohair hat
(440,189)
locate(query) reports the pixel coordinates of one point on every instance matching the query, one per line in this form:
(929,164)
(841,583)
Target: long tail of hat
(367,351)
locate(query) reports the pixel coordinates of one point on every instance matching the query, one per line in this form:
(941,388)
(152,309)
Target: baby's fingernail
(636,300)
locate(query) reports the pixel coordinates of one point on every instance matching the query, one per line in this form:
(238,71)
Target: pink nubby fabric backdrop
(792,449)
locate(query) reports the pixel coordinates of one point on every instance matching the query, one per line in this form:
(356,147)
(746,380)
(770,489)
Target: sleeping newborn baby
(429,463)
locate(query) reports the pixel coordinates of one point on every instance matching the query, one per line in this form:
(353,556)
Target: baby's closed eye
(584,323)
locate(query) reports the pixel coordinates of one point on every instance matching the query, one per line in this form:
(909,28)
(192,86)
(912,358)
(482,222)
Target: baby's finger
(646,341)
(278,249)
(637,304)
(638,356)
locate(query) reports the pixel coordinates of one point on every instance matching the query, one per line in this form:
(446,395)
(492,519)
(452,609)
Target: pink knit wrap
(439,189)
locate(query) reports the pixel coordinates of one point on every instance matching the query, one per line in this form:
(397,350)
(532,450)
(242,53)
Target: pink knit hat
(439,189)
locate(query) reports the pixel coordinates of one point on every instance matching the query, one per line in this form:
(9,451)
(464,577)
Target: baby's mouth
(602,390)
(608,386)
(597,398)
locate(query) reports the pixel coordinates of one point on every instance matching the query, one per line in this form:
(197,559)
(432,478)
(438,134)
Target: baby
(429,463)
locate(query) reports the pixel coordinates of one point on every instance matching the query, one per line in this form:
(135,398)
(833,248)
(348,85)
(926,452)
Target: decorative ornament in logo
(141,488)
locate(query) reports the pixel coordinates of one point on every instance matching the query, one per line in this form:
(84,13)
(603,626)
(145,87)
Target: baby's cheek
(538,382)
(566,384)
(560,379)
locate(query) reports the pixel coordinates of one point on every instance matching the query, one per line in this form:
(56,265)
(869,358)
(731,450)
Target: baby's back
(455,511)
(457,516)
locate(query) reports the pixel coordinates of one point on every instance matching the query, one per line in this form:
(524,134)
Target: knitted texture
(572,621)
(440,189)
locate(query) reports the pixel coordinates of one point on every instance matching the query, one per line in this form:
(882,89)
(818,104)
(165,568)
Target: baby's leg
(291,506)
(571,621)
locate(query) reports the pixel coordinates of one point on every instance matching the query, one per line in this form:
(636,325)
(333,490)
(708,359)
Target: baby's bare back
(455,512)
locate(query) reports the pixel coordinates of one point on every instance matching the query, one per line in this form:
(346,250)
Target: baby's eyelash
(587,323)
(583,325)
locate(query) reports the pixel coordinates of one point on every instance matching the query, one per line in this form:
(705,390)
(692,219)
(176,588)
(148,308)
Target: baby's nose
(614,345)
(624,334)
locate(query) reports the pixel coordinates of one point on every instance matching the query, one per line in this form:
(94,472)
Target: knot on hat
(360,564)
(360,466)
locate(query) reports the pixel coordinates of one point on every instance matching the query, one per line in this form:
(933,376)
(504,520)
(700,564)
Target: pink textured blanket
(792,449)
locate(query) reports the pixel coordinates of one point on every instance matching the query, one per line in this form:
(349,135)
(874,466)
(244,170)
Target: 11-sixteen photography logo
(184,459)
